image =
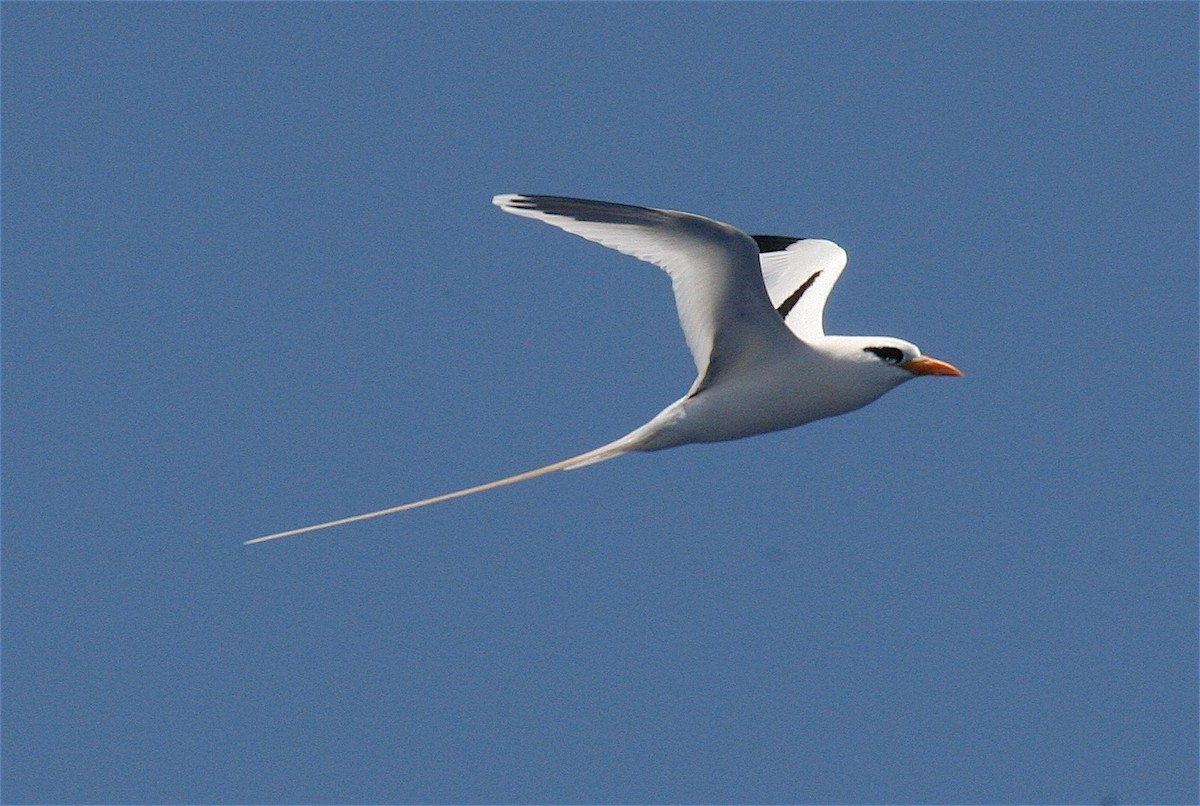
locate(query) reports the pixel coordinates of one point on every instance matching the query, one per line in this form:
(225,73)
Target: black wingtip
(588,210)
(774,243)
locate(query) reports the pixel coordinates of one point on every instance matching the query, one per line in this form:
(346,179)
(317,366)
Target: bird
(751,308)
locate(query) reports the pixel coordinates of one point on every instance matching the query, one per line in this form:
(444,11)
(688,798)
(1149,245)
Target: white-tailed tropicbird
(751,310)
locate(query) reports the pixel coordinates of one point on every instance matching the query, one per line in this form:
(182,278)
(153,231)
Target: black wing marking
(786,306)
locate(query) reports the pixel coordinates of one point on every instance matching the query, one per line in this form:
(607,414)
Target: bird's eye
(889,355)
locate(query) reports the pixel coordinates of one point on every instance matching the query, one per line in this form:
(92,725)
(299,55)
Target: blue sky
(252,280)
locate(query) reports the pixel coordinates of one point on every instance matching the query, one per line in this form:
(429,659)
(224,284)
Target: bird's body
(772,394)
(751,310)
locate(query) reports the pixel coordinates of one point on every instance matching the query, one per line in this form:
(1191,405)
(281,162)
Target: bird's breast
(772,397)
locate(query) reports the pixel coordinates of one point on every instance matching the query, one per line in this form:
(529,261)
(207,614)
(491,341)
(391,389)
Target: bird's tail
(605,452)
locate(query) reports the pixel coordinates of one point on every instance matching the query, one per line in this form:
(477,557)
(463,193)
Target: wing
(727,317)
(799,274)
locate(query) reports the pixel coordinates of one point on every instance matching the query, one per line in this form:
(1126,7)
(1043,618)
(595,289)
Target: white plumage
(751,310)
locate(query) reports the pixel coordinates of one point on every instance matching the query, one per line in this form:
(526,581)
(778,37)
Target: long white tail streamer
(601,454)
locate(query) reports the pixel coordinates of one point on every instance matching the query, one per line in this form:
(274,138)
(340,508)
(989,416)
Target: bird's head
(889,360)
(895,354)
(902,358)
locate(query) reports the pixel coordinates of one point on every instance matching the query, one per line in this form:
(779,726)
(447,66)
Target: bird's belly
(719,416)
(755,405)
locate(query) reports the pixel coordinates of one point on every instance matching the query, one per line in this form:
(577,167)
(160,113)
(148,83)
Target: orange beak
(924,365)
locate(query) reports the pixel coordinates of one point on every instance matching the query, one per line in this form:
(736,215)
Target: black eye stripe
(891,355)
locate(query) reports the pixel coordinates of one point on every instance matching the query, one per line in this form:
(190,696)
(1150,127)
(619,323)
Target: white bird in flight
(750,307)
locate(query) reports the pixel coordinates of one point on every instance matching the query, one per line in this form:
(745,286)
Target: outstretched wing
(727,317)
(799,274)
